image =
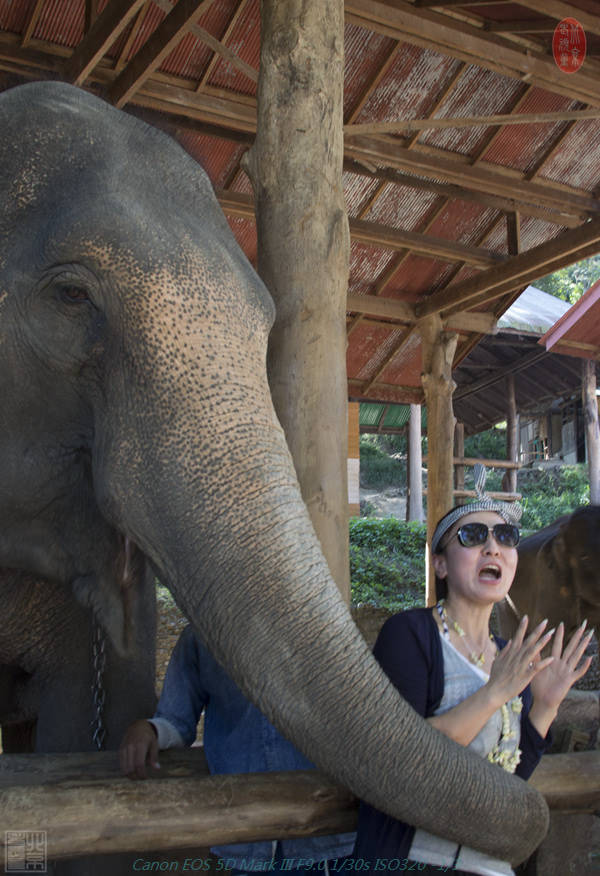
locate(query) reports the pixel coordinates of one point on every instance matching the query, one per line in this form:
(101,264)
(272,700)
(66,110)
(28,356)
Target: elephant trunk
(237,549)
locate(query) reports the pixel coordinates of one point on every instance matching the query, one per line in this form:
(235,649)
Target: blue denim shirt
(237,739)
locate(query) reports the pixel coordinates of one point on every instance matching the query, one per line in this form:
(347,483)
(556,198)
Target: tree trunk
(438,349)
(592,432)
(303,250)
(415,462)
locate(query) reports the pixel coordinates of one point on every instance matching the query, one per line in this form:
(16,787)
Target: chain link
(98,691)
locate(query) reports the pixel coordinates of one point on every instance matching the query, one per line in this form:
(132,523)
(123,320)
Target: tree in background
(570,283)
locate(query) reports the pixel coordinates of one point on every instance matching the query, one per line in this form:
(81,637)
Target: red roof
(577,333)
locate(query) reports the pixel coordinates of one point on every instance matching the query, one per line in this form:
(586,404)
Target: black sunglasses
(474,534)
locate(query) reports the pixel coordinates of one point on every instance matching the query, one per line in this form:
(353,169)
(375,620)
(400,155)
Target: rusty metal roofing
(433,211)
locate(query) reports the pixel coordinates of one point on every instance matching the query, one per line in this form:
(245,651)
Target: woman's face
(481,574)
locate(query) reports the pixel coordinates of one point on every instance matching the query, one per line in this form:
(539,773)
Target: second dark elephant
(62,681)
(558,575)
(133,343)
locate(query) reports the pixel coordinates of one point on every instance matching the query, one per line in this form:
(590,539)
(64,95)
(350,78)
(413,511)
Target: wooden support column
(295,166)
(438,348)
(414,505)
(459,452)
(353,459)
(509,480)
(592,432)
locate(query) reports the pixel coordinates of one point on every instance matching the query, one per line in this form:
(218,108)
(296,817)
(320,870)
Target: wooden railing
(86,807)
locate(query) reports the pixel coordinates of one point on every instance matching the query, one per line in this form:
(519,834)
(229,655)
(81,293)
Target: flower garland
(477,659)
(505,757)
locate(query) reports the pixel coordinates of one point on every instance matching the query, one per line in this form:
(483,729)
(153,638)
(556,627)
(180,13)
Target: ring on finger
(531,665)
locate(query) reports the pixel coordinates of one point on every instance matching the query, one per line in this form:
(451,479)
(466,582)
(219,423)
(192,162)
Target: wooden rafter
(400,311)
(441,99)
(550,256)
(218,54)
(32,22)
(497,132)
(499,373)
(559,10)
(133,33)
(373,83)
(407,334)
(373,234)
(536,25)
(387,152)
(100,37)
(167,35)
(449,36)
(409,126)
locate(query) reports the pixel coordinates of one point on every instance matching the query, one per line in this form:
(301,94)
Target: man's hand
(138,750)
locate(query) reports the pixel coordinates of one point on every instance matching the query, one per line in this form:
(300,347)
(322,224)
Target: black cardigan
(410,652)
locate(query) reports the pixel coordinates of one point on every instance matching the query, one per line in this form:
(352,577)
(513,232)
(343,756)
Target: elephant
(135,399)
(557,575)
(63,684)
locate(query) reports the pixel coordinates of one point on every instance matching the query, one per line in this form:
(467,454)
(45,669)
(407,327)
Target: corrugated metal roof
(534,312)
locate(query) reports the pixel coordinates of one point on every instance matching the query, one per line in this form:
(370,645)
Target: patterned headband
(509,511)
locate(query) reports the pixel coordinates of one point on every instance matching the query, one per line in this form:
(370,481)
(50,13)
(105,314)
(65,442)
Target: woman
(499,699)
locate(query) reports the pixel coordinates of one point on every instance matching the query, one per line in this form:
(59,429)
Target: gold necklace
(474,657)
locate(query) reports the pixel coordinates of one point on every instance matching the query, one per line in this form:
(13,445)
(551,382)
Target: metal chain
(98,691)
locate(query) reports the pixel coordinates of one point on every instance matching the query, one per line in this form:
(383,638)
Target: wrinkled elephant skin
(132,356)
(558,576)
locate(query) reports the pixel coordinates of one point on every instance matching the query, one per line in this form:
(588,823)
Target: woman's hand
(519,661)
(553,681)
(139,749)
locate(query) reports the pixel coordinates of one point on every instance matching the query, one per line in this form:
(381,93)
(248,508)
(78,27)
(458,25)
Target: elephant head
(557,576)
(133,352)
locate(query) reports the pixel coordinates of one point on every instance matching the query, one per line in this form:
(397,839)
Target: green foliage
(550,493)
(387,562)
(570,283)
(487,445)
(377,469)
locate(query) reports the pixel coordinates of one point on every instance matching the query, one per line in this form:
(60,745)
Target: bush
(387,562)
(377,469)
(549,493)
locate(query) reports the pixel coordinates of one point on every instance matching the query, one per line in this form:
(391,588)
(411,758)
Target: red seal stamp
(569,45)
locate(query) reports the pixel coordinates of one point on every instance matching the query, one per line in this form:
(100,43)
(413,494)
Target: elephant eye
(73,294)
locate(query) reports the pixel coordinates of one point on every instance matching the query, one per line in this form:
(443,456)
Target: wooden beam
(132,36)
(216,45)
(409,126)
(559,10)
(513,232)
(104,31)
(520,270)
(89,811)
(536,25)
(167,35)
(376,151)
(392,308)
(373,234)
(463,193)
(449,36)
(239,10)
(32,23)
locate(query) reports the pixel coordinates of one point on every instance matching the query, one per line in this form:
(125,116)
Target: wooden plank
(569,782)
(520,270)
(100,37)
(409,126)
(162,42)
(491,463)
(471,494)
(536,25)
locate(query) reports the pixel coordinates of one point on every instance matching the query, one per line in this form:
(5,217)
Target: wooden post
(509,480)
(592,432)
(295,166)
(459,451)
(438,349)
(353,459)
(414,505)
